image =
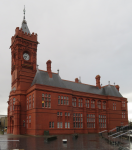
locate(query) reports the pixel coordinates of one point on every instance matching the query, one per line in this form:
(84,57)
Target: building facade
(40,100)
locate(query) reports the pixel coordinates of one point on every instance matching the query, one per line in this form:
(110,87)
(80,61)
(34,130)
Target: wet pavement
(83,142)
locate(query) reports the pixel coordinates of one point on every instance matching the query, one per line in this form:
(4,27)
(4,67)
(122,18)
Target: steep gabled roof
(42,77)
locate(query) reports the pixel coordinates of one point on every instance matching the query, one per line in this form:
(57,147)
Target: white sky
(81,37)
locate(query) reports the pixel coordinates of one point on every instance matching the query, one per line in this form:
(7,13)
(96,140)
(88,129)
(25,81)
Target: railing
(114,138)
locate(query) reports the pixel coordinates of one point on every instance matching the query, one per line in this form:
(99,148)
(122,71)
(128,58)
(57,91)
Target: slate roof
(25,27)
(42,77)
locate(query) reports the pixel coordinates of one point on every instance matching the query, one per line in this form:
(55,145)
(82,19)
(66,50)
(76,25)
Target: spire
(24,23)
(24,12)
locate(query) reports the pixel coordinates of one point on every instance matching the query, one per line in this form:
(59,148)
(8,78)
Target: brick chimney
(49,68)
(98,81)
(117,87)
(76,80)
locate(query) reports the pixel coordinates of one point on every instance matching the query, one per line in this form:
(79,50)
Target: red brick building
(41,100)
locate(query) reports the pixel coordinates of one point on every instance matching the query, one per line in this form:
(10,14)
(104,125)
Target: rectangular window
(61,125)
(65,124)
(29,121)
(49,124)
(49,104)
(42,103)
(57,113)
(68,124)
(46,101)
(62,102)
(45,104)
(81,125)
(58,125)
(52,124)
(60,113)
(68,114)
(67,102)
(74,124)
(74,102)
(58,101)
(65,114)
(33,100)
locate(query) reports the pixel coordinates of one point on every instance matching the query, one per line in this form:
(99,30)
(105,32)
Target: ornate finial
(114,83)
(24,12)
(58,71)
(109,82)
(101,84)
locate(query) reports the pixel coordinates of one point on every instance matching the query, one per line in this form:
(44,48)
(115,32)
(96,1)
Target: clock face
(26,56)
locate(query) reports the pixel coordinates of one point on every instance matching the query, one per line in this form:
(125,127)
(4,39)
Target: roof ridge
(78,82)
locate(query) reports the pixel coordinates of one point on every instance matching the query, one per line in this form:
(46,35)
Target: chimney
(98,81)
(117,87)
(76,80)
(49,68)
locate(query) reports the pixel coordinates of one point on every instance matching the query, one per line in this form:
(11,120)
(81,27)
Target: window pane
(58,101)
(68,124)
(65,124)
(67,102)
(49,104)
(52,124)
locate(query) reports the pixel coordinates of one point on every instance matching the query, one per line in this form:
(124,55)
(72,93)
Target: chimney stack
(98,81)
(76,80)
(49,68)
(117,87)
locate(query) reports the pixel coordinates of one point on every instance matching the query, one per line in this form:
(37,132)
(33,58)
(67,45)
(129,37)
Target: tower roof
(24,24)
(25,27)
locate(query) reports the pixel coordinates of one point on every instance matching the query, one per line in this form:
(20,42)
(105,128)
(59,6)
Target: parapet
(20,33)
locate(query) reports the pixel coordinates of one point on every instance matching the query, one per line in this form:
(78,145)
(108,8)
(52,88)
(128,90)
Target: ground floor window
(78,120)
(67,124)
(51,124)
(90,120)
(102,121)
(59,125)
(29,121)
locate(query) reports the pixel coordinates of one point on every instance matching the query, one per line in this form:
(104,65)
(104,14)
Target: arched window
(87,103)
(99,104)
(92,104)
(104,105)
(80,103)
(74,102)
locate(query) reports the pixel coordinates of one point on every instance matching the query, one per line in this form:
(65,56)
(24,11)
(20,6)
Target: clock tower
(23,69)
(24,57)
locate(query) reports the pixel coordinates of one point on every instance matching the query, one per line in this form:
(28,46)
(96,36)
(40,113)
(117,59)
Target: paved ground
(84,142)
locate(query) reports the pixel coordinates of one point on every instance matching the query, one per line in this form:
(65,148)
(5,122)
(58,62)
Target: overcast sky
(81,38)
